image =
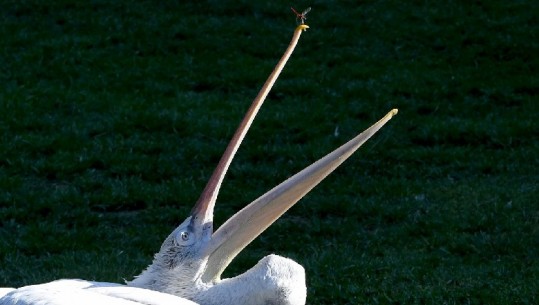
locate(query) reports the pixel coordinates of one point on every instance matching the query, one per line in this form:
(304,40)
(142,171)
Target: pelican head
(193,257)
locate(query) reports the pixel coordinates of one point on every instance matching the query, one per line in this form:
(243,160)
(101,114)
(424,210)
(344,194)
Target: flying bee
(301,17)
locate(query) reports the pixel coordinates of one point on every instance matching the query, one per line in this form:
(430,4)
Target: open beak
(243,227)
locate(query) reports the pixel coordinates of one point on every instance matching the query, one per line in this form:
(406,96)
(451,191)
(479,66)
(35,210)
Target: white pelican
(188,267)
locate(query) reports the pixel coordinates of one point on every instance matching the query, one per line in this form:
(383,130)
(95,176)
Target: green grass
(114,114)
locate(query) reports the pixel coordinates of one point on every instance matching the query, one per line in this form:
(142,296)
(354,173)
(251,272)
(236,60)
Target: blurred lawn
(114,114)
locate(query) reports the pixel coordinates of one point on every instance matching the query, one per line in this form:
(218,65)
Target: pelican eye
(185,234)
(184,238)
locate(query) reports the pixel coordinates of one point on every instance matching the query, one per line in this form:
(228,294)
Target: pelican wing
(68,292)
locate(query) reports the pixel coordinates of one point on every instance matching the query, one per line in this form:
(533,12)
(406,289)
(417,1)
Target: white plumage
(272,276)
(69,292)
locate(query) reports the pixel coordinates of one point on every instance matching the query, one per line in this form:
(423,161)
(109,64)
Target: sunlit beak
(243,227)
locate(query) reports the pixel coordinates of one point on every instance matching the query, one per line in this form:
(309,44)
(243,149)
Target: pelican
(188,267)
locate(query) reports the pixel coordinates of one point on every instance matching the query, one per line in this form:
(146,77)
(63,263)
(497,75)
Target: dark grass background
(113,115)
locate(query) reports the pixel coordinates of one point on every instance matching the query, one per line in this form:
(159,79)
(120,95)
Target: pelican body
(187,269)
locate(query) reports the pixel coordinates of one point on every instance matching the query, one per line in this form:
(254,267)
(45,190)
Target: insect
(301,17)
